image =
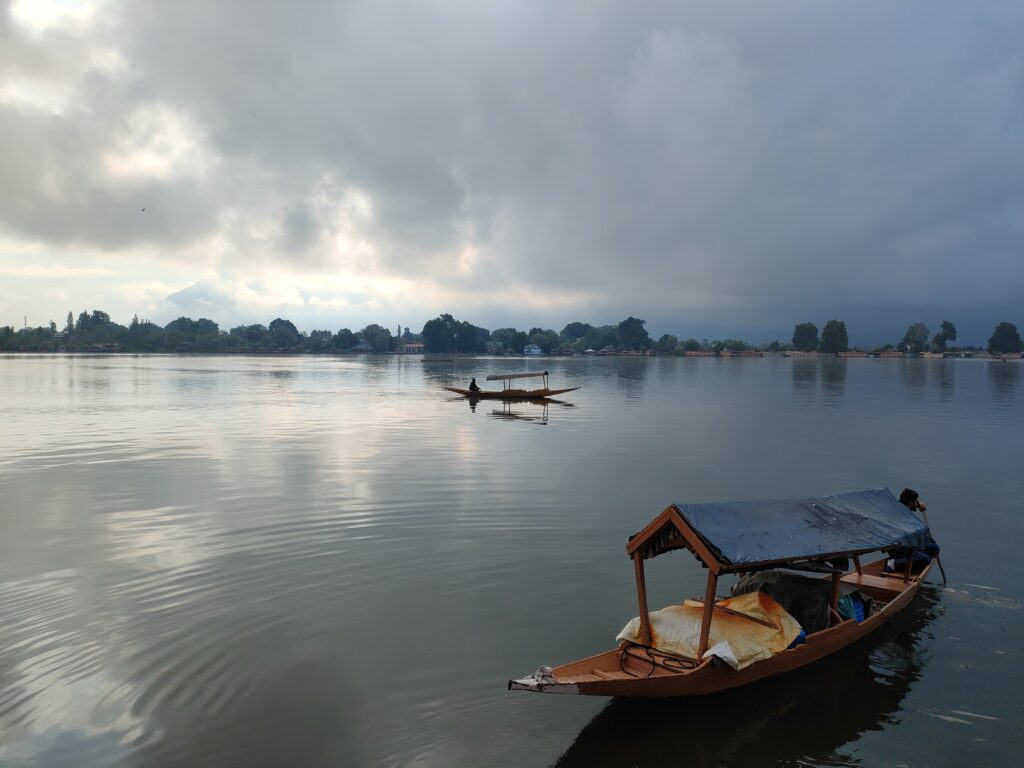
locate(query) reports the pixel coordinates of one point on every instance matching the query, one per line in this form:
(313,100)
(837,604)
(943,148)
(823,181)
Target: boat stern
(543,681)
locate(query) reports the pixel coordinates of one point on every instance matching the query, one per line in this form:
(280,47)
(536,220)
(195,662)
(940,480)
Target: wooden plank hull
(511,394)
(612,674)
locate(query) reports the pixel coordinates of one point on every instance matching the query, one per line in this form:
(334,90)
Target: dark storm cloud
(740,166)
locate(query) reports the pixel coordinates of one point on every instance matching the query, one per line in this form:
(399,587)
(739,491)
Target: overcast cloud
(720,169)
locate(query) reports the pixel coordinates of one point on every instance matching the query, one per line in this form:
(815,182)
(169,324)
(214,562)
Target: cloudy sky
(719,169)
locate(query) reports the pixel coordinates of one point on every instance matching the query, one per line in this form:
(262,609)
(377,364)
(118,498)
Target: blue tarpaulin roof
(793,529)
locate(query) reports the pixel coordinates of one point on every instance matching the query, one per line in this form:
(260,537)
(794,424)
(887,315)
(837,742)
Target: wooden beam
(641,596)
(696,543)
(742,615)
(834,604)
(709,607)
(856,564)
(909,565)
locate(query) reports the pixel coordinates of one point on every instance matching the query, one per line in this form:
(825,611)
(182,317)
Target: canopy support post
(709,607)
(835,596)
(909,565)
(856,564)
(641,596)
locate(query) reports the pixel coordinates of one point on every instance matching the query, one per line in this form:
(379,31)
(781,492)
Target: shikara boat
(817,536)
(507,392)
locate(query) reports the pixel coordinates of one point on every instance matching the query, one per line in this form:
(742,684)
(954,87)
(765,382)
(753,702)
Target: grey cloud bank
(719,169)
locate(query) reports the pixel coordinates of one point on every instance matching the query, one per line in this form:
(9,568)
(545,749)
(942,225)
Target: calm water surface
(324,562)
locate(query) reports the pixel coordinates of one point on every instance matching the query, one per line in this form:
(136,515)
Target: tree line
(834,338)
(95,331)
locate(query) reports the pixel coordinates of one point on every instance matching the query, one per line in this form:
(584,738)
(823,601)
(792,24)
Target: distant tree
(805,337)
(833,337)
(546,339)
(735,345)
(599,338)
(667,344)
(1004,339)
(633,335)
(344,339)
(576,330)
(946,334)
(70,325)
(691,345)
(319,341)
(87,322)
(510,338)
(480,337)
(439,334)
(915,339)
(377,337)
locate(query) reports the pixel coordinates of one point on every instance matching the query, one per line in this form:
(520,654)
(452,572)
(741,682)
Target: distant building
(413,348)
(532,349)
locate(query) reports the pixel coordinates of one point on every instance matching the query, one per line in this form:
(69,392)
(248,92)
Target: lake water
(266,561)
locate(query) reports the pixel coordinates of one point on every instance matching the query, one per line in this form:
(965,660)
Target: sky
(720,169)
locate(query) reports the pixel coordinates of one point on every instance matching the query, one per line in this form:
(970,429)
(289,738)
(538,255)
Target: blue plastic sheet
(751,532)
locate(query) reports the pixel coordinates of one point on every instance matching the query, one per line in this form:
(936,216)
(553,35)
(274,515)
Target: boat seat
(872,582)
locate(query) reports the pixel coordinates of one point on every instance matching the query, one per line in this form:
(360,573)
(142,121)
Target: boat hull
(511,394)
(609,674)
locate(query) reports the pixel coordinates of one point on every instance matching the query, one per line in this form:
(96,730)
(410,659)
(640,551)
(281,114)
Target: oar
(937,558)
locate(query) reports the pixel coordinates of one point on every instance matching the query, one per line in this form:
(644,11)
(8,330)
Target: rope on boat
(656,658)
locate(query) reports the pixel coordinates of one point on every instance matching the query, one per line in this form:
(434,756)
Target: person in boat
(472,386)
(911,499)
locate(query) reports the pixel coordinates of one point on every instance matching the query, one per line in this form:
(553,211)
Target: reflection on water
(805,375)
(914,375)
(803,718)
(535,410)
(833,376)
(1003,376)
(329,561)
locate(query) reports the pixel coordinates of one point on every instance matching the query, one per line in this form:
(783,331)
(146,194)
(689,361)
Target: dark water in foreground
(295,561)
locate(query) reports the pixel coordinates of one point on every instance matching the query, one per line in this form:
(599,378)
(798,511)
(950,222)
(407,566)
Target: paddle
(924,514)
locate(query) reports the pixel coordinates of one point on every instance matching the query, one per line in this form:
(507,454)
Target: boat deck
(631,662)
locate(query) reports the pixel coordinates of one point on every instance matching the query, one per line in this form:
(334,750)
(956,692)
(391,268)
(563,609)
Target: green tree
(599,338)
(915,339)
(439,334)
(510,338)
(667,344)
(1004,339)
(805,337)
(833,337)
(344,339)
(633,335)
(87,322)
(319,341)
(377,337)
(70,325)
(283,333)
(691,345)
(576,330)
(946,334)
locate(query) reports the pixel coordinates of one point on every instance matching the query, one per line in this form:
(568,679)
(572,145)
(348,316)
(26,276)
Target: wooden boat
(817,535)
(507,392)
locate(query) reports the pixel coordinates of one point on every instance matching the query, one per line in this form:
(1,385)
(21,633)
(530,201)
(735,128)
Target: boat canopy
(525,375)
(748,535)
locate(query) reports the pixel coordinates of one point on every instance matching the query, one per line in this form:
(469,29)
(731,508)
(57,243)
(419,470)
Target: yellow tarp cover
(676,629)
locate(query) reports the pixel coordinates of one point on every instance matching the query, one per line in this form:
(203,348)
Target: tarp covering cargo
(737,640)
(806,599)
(751,532)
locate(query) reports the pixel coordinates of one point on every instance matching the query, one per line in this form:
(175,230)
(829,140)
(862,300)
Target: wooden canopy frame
(506,378)
(670,531)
